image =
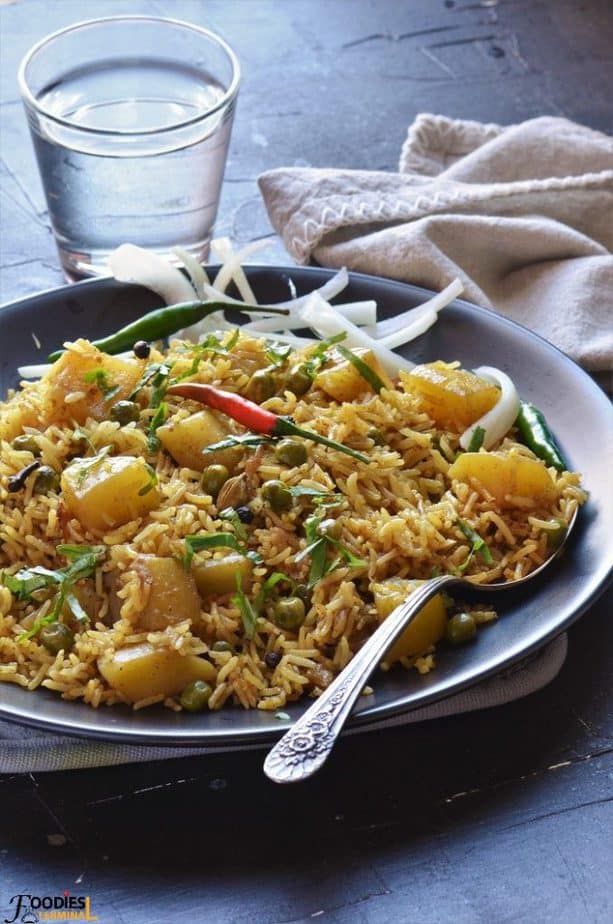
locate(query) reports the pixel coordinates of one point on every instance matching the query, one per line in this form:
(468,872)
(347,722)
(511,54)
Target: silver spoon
(308,743)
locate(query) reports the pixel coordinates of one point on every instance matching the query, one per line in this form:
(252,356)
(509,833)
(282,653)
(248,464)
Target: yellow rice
(399,515)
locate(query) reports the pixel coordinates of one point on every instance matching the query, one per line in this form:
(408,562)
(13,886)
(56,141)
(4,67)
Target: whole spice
(254,417)
(17,482)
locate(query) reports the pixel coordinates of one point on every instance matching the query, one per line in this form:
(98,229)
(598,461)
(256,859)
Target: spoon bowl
(308,743)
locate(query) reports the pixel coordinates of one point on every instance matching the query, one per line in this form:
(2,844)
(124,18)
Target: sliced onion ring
(497,422)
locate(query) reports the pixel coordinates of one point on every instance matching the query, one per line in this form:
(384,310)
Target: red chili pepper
(254,417)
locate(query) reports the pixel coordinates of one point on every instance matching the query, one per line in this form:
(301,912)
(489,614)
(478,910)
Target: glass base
(77,265)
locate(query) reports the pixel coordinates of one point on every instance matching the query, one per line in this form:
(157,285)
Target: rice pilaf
(400,518)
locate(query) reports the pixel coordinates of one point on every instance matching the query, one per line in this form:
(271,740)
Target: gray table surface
(501,816)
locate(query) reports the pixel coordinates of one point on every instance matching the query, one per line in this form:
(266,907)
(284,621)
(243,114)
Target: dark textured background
(501,816)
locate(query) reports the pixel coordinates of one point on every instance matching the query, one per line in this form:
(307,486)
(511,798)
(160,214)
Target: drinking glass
(131,119)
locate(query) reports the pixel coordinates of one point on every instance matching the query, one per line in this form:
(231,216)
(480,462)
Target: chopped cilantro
(249,614)
(231,516)
(219,540)
(321,354)
(476,440)
(317,549)
(153,480)
(100,378)
(153,440)
(278,357)
(83,559)
(478,545)
(368,374)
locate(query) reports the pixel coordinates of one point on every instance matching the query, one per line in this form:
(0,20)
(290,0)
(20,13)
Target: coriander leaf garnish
(277,357)
(476,440)
(251,610)
(317,549)
(155,375)
(153,480)
(478,545)
(219,540)
(24,584)
(368,374)
(320,494)
(250,440)
(321,354)
(211,344)
(153,440)
(100,377)
(249,614)
(231,516)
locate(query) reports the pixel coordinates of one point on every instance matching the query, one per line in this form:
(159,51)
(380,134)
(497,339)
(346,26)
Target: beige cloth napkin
(522,214)
(30,750)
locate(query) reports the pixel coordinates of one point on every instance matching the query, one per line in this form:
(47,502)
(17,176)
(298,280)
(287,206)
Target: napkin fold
(522,214)
(31,750)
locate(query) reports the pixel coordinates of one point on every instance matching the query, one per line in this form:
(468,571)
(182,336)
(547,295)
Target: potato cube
(172,594)
(453,398)
(186,438)
(506,475)
(107,491)
(101,379)
(427,627)
(141,671)
(217,576)
(343,381)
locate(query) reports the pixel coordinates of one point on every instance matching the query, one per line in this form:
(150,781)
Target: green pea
(461,628)
(195,696)
(221,645)
(376,436)
(26,443)
(213,479)
(289,613)
(277,495)
(47,480)
(329,527)
(56,637)
(291,452)
(299,380)
(125,412)
(262,385)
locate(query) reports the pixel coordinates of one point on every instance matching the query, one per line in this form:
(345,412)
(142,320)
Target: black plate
(577,410)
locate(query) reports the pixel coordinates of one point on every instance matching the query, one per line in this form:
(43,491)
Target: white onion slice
(142,267)
(361,313)
(33,372)
(404,335)
(392,331)
(290,339)
(326,320)
(501,418)
(232,267)
(222,248)
(195,270)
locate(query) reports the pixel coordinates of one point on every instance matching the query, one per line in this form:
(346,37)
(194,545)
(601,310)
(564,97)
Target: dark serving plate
(577,410)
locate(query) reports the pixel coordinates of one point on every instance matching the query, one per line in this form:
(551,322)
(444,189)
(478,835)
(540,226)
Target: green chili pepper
(537,436)
(165,321)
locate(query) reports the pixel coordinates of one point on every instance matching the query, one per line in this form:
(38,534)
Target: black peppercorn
(272,658)
(245,514)
(141,349)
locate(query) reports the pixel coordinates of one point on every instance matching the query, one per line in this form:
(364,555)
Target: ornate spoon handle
(307,744)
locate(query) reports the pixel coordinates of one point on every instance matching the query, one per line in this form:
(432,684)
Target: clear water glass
(131,119)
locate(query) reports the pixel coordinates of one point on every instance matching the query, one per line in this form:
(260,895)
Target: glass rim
(30,100)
